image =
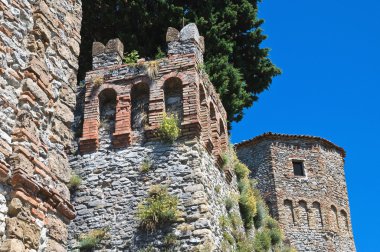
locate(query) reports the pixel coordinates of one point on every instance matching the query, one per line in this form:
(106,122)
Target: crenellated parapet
(143,92)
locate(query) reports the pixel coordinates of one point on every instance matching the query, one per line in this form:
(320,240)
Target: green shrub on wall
(75,181)
(169,130)
(132,57)
(92,238)
(158,209)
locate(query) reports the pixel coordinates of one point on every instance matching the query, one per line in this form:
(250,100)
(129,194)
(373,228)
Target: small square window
(298,168)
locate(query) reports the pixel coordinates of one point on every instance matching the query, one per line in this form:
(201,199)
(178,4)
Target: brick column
(191,126)
(122,135)
(89,141)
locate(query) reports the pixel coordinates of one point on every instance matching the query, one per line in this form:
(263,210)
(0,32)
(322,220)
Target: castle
(301,178)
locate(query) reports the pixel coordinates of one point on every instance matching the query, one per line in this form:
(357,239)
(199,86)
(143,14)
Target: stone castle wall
(123,108)
(113,185)
(312,209)
(39,47)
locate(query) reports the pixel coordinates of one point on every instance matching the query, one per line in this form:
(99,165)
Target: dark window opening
(298,168)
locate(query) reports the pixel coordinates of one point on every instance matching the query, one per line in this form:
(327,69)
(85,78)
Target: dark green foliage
(237,66)
(229,202)
(261,214)
(131,57)
(228,238)
(262,241)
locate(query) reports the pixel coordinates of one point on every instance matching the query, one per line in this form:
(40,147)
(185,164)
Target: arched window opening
(204,115)
(202,95)
(214,129)
(334,218)
(343,220)
(317,214)
(107,111)
(212,112)
(303,214)
(140,106)
(174,98)
(222,135)
(289,212)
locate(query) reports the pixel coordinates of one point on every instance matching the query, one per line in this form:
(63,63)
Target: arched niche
(334,218)
(173,93)
(289,211)
(139,106)
(317,215)
(222,136)
(214,129)
(343,220)
(107,111)
(303,218)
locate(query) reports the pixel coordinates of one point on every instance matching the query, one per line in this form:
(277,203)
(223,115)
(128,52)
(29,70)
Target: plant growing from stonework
(168,130)
(146,165)
(75,181)
(159,208)
(229,203)
(92,238)
(152,68)
(98,81)
(132,57)
(170,241)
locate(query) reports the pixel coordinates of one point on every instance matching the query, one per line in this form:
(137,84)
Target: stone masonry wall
(113,185)
(113,149)
(312,209)
(39,46)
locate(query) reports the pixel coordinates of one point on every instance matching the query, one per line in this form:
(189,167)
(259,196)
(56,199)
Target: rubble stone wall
(312,209)
(39,47)
(113,185)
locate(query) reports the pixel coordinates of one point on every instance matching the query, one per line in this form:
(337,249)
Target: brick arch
(140,93)
(160,83)
(222,135)
(204,117)
(173,97)
(214,129)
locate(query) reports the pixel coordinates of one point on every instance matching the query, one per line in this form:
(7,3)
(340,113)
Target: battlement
(142,93)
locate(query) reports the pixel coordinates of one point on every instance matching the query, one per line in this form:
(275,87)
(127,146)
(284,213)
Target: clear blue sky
(329,51)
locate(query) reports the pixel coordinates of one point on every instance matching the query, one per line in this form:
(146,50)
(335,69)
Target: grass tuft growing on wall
(169,130)
(75,181)
(159,208)
(92,238)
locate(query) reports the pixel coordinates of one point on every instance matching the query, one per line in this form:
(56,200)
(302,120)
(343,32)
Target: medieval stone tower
(303,182)
(123,108)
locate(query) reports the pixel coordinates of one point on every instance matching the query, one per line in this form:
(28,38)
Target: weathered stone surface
(60,166)
(97,48)
(27,232)
(39,46)
(14,207)
(12,245)
(57,229)
(172,34)
(54,246)
(113,186)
